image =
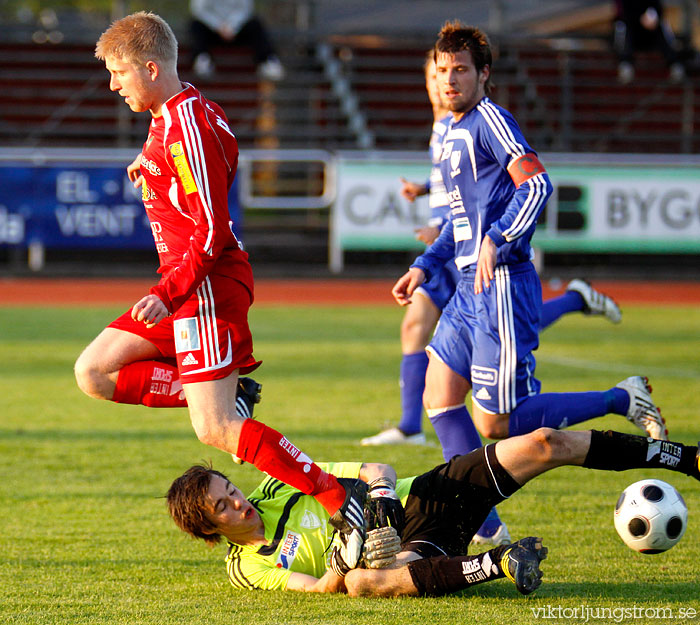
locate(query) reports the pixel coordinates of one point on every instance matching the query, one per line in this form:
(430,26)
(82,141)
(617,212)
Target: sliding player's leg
(525,457)
(444,403)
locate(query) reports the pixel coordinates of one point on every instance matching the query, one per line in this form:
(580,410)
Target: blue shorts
(441,287)
(489,338)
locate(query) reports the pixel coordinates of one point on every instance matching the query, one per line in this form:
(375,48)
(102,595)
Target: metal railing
(262,187)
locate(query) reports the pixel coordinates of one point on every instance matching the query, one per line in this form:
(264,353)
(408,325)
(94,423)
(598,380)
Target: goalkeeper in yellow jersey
(418,528)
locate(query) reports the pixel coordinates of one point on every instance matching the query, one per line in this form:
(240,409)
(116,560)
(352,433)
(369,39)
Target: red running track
(70,292)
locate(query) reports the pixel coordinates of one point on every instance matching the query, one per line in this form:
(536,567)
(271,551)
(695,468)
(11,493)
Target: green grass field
(85,537)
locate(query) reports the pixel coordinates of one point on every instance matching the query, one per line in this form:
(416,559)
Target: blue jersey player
(432,296)
(422,316)
(496,188)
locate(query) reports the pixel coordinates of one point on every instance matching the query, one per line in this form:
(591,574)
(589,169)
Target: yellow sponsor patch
(183,169)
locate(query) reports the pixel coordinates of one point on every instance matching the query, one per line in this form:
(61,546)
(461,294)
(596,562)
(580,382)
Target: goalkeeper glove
(383,506)
(381,548)
(347,551)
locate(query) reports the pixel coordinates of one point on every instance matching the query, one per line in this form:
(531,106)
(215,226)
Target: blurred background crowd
(581,77)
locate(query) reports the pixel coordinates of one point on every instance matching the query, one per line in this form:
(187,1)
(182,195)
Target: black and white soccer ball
(650,516)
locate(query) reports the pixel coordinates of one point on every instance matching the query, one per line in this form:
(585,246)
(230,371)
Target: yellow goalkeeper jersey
(297,530)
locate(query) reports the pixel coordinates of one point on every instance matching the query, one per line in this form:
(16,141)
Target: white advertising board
(600,204)
(369,212)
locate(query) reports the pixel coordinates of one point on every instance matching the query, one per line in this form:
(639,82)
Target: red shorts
(208,336)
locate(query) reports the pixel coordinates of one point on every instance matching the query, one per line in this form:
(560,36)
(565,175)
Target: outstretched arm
(370,471)
(391,582)
(330,582)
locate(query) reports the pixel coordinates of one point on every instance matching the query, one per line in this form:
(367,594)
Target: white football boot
(394,436)
(595,302)
(501,537)
(643,411)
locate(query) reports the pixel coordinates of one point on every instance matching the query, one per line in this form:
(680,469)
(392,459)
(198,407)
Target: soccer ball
(650,516)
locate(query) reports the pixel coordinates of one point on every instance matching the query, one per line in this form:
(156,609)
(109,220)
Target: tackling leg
(525,457)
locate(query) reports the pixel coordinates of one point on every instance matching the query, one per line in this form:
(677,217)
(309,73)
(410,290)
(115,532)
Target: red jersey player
(185,342)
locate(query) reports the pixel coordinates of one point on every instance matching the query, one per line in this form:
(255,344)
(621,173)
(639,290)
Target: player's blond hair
(139,38)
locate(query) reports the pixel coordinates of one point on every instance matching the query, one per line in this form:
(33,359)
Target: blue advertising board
(76,205)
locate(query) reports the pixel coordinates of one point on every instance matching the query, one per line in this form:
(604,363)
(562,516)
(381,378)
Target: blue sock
(552,309)
(412,383)
(560,410)
(617,401)
(490,526)
(456,432)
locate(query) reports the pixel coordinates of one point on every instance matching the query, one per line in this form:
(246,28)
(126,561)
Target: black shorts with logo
(447,505)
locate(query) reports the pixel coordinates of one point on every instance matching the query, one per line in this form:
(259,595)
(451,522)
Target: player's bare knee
(415,335)
(407,325)
(362,583)
(207,436)
(547,443)
(493,426)
(90,379)
(494,430)
(206,429)
(215,429)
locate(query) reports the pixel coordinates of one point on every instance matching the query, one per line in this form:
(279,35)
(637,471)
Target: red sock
(151,383)
(272,453)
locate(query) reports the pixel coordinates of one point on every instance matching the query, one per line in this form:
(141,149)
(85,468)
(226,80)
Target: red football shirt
(188,163)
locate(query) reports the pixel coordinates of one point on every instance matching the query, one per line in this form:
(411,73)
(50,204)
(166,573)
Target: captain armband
(525,167)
